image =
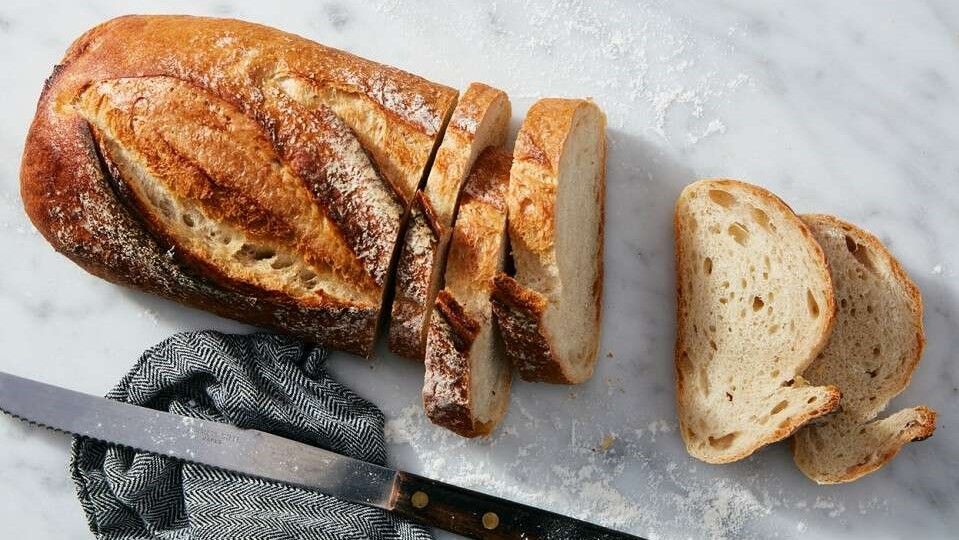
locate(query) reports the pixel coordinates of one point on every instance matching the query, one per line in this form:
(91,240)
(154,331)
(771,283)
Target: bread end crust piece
(452,333)
(479,121)
(871,355)
(550,312)
(736,391)
(78,190)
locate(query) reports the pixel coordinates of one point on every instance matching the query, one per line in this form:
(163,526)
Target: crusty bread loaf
(550,312)
(870,356)
(467,382)
(232,167)
(480,121)
(755,305)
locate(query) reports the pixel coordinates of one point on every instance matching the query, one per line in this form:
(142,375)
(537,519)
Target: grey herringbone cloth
(266,382)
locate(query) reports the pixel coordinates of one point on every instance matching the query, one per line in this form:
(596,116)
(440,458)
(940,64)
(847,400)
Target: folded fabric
(267,382)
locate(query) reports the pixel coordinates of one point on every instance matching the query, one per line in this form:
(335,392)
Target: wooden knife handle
(477,515)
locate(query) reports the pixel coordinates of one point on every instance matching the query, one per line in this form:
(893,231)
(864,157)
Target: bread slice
(755,305)
(870,356)
(480,120)
(549,313)
(468,378)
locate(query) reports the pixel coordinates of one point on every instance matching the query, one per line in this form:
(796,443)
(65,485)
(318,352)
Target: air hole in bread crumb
(758,303)
(812,399)
(724,442)
(812,304)
(872,372)
(722,198)
(851,244)
(729,397)
(739,233)
(760,217)
(188,220)
(876,350)
(282,261)
(842,303)
(708,266)
(712,345)
(779,407)
(703,381)
(773,329)
(868,309)
(251,253)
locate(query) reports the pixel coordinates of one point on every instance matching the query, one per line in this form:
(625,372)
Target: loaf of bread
(467,382)
(480,121)
(549,312)
(755,306)
(871,354)
(233,167)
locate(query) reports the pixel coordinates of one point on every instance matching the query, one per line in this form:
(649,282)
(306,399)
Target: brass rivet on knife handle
(420,499)
(490,520)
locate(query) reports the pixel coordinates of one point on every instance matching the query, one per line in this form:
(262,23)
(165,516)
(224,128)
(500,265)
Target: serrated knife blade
(263,455)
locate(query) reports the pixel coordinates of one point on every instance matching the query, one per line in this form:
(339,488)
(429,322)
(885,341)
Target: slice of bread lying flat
(549,313)
(480,120)
(755,306)
(468,377)
(873,350)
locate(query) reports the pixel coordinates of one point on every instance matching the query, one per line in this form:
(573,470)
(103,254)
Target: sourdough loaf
(233,167)
(755,305)
(549,312)
(871,354)
(467,381)
(480,120)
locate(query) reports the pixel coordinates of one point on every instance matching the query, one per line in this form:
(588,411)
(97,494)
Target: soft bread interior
(755,307)
(870,356)
(572,314)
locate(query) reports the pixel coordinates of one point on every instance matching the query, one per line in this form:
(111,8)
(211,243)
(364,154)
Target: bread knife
(269,457)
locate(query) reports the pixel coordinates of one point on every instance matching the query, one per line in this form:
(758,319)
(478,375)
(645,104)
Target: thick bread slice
(468,377)
(873,350)
(755,305)
(549,313)
(480,120)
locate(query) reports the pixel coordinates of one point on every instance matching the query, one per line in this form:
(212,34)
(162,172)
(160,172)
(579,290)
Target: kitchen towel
(267,382)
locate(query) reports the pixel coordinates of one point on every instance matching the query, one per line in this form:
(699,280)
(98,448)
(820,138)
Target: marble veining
(850,108)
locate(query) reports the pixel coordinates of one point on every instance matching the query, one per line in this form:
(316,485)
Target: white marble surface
(850,108)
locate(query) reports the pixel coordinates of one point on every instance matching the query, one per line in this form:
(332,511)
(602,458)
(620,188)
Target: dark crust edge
(457,417)
(407,309)
(519,314)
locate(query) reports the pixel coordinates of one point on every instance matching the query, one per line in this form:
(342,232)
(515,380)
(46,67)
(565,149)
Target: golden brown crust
(267,76)
(832,395)
(418,256)
(462,310)
(480,120)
